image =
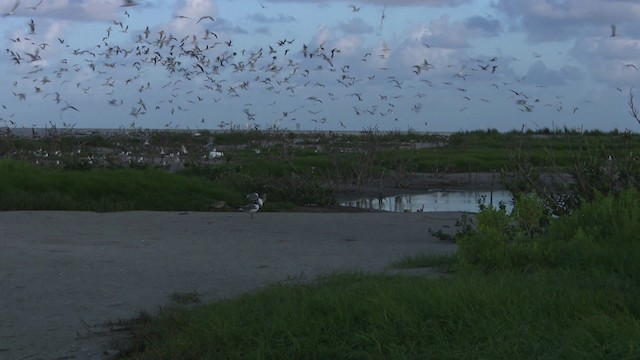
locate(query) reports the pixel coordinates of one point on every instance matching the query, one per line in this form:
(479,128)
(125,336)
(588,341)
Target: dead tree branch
(633,110)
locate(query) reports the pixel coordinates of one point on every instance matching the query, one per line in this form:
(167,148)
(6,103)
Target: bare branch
(633,110)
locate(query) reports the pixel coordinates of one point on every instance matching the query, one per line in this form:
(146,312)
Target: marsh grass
(564,290)
(363,316)
(25,187)
(443,262)
(312,167)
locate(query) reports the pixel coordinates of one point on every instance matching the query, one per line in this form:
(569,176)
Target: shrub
(501,240)
(600,236)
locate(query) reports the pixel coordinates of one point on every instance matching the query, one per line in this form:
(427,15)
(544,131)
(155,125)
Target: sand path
(64,274)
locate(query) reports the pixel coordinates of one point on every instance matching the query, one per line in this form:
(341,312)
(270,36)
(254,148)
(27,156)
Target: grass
(311,167)
(567,291)
(363,316)
(521,287)
(441,261)
(26,187)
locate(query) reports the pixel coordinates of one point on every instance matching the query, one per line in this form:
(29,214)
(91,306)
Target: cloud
(356,26)
(540,74)
(264,19)
(264,29)
(78,10)
(195,8)
(227,26)
(188,12)
(556,21)
(427,3)
(444,33)
(483,25)
(608,58)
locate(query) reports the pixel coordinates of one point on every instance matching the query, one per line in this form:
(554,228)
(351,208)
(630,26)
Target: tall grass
(25,187)
(359,316)
(522,289)
(600,236)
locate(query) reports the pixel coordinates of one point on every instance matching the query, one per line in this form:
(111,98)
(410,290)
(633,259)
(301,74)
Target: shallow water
(459,200)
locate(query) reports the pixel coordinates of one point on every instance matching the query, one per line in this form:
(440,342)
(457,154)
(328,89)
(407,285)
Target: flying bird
(69,106)
(13,10)
(354,8)
(205,17)
(613,31)
(35,7)
(32,27)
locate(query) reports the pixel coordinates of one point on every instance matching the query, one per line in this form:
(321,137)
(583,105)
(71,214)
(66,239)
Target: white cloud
(553,21)
(428,3)
(610,59)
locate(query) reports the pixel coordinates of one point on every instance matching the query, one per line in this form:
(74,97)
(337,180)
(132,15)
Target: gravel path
(63,275)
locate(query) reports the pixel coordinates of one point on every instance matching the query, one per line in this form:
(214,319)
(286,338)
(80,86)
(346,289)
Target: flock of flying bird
(206,69)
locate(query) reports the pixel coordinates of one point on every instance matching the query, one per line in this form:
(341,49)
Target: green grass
(25,187)
(522,286)
(569,292)
(311,167)
(440,261)
(362,316)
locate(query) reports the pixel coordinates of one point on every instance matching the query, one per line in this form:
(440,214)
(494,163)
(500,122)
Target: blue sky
(427,65)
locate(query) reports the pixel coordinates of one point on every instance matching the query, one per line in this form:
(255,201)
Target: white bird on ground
(250,208)
(218,204)
(215,154)
(256,202)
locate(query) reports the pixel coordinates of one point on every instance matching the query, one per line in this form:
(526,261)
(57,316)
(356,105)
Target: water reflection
(435,201)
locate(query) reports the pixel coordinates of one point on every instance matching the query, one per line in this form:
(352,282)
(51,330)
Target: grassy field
(524,285)
(551,315)
(126,171)
(568,292)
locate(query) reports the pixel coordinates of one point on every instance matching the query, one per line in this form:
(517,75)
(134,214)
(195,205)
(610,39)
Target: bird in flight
(354,8)
(13,10)
(613,30)
(205,17)
(69,106)
(35,7)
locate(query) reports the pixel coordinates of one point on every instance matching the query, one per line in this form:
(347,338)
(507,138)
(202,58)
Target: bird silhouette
(13,9)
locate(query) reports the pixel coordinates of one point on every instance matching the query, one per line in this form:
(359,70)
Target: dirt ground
(65,275)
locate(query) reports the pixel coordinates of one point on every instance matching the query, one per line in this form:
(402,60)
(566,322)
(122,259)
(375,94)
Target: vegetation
(556,278)
(25,187)
(119,171)
(526,286)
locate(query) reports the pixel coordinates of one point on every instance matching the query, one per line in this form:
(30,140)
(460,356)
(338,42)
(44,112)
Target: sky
(420,65)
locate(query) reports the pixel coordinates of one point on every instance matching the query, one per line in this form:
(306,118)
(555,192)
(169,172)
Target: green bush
(531,214)
(600,236)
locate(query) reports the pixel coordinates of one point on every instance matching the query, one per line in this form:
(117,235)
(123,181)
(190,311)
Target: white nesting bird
(256,202)
(215,154)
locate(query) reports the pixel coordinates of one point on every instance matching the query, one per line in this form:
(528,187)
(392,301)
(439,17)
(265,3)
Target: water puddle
(459,200)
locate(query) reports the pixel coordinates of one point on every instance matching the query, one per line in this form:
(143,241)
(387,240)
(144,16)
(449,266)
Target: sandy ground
(63,275)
